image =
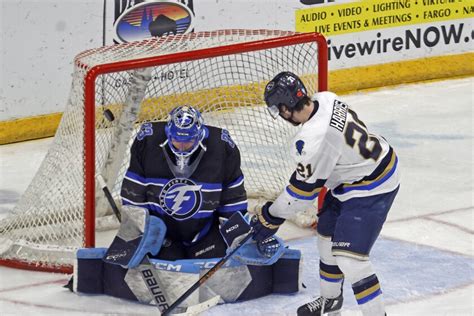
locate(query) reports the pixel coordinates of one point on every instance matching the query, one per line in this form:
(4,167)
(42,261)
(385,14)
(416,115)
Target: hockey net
(222,73)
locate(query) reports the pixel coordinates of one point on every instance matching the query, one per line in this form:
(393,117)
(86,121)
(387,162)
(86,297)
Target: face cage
(187,153)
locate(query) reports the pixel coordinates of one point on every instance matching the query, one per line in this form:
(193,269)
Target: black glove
(265,225)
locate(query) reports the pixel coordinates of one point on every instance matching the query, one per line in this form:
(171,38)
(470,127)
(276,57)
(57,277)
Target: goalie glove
(264,224)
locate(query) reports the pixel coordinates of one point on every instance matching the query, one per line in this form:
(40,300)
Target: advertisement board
(370,42)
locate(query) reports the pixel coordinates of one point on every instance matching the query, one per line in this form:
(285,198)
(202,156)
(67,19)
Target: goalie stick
(150,278)
(139,79)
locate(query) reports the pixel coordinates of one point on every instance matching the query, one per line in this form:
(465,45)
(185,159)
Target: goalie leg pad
(92,275)
(89,271)
(282,277)
(139,234)
(286,273)
(114,282)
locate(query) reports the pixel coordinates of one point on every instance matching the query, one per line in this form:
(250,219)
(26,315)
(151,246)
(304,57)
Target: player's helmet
(185,126)
(287,89)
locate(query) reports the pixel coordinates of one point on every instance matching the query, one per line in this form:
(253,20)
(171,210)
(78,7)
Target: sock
(369,296)
(331,280)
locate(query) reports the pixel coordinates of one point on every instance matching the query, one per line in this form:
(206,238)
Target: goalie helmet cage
(222,73)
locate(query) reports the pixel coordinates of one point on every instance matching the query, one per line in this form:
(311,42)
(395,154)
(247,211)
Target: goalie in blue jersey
(187,174)
(184,208)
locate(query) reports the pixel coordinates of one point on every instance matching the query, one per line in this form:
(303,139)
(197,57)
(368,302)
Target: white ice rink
(424,257)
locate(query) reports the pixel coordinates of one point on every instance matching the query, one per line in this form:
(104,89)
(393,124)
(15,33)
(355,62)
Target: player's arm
(233,196)
(133,191)
(297,196)
(304,186)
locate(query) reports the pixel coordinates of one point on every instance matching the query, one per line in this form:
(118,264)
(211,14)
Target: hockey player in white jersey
(334,149)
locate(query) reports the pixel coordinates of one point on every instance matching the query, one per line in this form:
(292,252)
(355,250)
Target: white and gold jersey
(335,149)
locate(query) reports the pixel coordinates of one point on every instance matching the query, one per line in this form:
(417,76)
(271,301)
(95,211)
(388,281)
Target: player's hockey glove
(264,224)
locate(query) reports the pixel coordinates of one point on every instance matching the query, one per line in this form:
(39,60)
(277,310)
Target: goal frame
(90,103)
(94,72)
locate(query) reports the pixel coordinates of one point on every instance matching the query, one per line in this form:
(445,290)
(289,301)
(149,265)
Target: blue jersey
(188,206)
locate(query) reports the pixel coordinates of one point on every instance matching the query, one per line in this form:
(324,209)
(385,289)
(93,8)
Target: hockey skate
(322,306)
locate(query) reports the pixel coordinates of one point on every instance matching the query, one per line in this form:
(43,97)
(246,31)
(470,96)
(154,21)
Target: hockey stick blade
(198,308)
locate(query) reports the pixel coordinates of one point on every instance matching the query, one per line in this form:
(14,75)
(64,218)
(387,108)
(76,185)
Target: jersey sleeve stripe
(236,183)
(210,186)
(153,207)
(243,205)
(144,181)
(149,205)
(302,195)
(305,186)
(130,202)
(210,190)
(133,177)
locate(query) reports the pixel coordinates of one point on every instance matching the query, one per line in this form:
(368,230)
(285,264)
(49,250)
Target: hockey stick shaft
(207,275)
(109,197)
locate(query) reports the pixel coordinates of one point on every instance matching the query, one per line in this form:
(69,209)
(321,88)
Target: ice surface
(424,258)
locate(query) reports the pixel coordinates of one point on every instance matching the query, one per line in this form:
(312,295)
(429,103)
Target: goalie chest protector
(186,205)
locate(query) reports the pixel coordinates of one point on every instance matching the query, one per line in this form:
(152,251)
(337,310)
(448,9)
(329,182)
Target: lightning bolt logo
(179,195)
(181,198)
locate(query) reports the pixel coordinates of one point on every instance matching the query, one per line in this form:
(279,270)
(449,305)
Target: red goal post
(226,54)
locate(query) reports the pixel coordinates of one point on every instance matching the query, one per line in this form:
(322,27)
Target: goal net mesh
(48,224)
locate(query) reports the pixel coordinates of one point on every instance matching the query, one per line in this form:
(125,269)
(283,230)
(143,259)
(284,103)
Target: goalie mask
(184,131)
(285,89)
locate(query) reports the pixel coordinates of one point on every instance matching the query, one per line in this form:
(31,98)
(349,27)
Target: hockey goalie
(184,206)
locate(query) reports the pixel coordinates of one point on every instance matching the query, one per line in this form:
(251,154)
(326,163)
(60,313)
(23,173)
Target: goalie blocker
(120,270)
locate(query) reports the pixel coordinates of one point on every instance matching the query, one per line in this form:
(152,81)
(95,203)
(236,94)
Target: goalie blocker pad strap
(94,276)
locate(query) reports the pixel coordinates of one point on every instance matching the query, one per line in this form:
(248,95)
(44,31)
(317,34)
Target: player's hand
(264,224)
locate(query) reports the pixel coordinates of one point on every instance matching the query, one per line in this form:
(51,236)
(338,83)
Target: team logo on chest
(299,147)
(181,198)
